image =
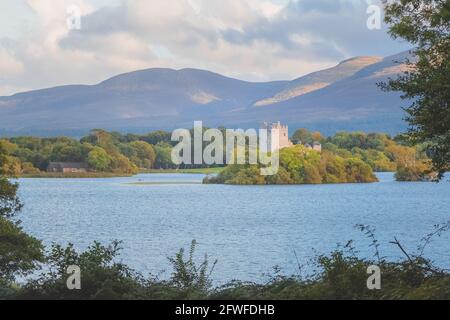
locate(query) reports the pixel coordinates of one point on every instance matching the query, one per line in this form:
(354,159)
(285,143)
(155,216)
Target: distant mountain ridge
(345,97)
(320,79)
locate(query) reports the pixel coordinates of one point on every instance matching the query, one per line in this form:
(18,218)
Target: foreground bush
(339,275)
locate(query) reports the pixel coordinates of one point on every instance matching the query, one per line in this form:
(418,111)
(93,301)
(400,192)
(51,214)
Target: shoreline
(88,175)
(94,175)
(185,171)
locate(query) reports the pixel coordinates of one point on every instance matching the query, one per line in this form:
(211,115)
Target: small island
(300,165)
(310,158)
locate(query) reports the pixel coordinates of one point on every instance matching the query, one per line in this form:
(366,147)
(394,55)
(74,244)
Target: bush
(416,172)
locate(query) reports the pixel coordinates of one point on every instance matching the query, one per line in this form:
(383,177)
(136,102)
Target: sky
(254,40)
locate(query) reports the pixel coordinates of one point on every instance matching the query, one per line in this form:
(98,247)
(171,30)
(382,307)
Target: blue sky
(255,40)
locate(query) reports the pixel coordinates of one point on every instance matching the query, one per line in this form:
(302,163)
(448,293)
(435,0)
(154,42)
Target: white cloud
(9,90)
(248,39)
(9,65)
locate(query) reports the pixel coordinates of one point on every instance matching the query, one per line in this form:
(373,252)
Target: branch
(398,244)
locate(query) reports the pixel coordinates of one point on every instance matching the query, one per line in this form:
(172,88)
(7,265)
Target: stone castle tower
(277,136)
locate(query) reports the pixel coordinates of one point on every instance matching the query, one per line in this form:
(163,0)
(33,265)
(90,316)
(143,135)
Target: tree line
(114,152)
(103,152)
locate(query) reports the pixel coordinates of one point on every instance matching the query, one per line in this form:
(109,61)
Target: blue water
(249,229)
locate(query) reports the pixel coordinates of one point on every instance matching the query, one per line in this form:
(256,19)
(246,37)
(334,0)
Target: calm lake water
(249,229)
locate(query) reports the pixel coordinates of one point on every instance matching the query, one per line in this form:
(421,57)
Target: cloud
(9,65)
(248,39)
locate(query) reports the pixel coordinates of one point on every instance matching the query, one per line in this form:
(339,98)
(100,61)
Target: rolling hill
(344,97)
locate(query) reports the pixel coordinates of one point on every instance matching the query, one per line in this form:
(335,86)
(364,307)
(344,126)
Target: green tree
(63,152)
(8,147)
(98,159)
(122,164)
(157,137)
(163,156)
(302,136)
(103,139)
(19,252)
(9,202)
(144,155)
(318,137)
(357,171)
(426,25)
(9,165)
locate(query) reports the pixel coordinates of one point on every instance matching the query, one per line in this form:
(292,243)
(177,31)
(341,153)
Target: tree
(103,139)
(157,137)
(122,164)
(416,172)
(19,252)
(98,159)
(64,152)
(318,137)
(163,156)
(9,202)
(144,154)
(357,171)
(302,136)
(426,25)
(7,146)
(402,156)
(9,165)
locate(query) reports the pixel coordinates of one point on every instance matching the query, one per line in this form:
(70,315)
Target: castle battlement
(278,136)
(275,125)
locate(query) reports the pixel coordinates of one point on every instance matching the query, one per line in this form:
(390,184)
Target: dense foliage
(384,154)
(338,275)
(426,25)
(112,153)
(299,165)
(102,151)
(347,157)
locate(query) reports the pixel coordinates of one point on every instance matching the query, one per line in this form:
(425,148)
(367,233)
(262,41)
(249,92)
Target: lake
(249,229)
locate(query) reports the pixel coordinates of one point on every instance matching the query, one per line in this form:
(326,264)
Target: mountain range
(345,97)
